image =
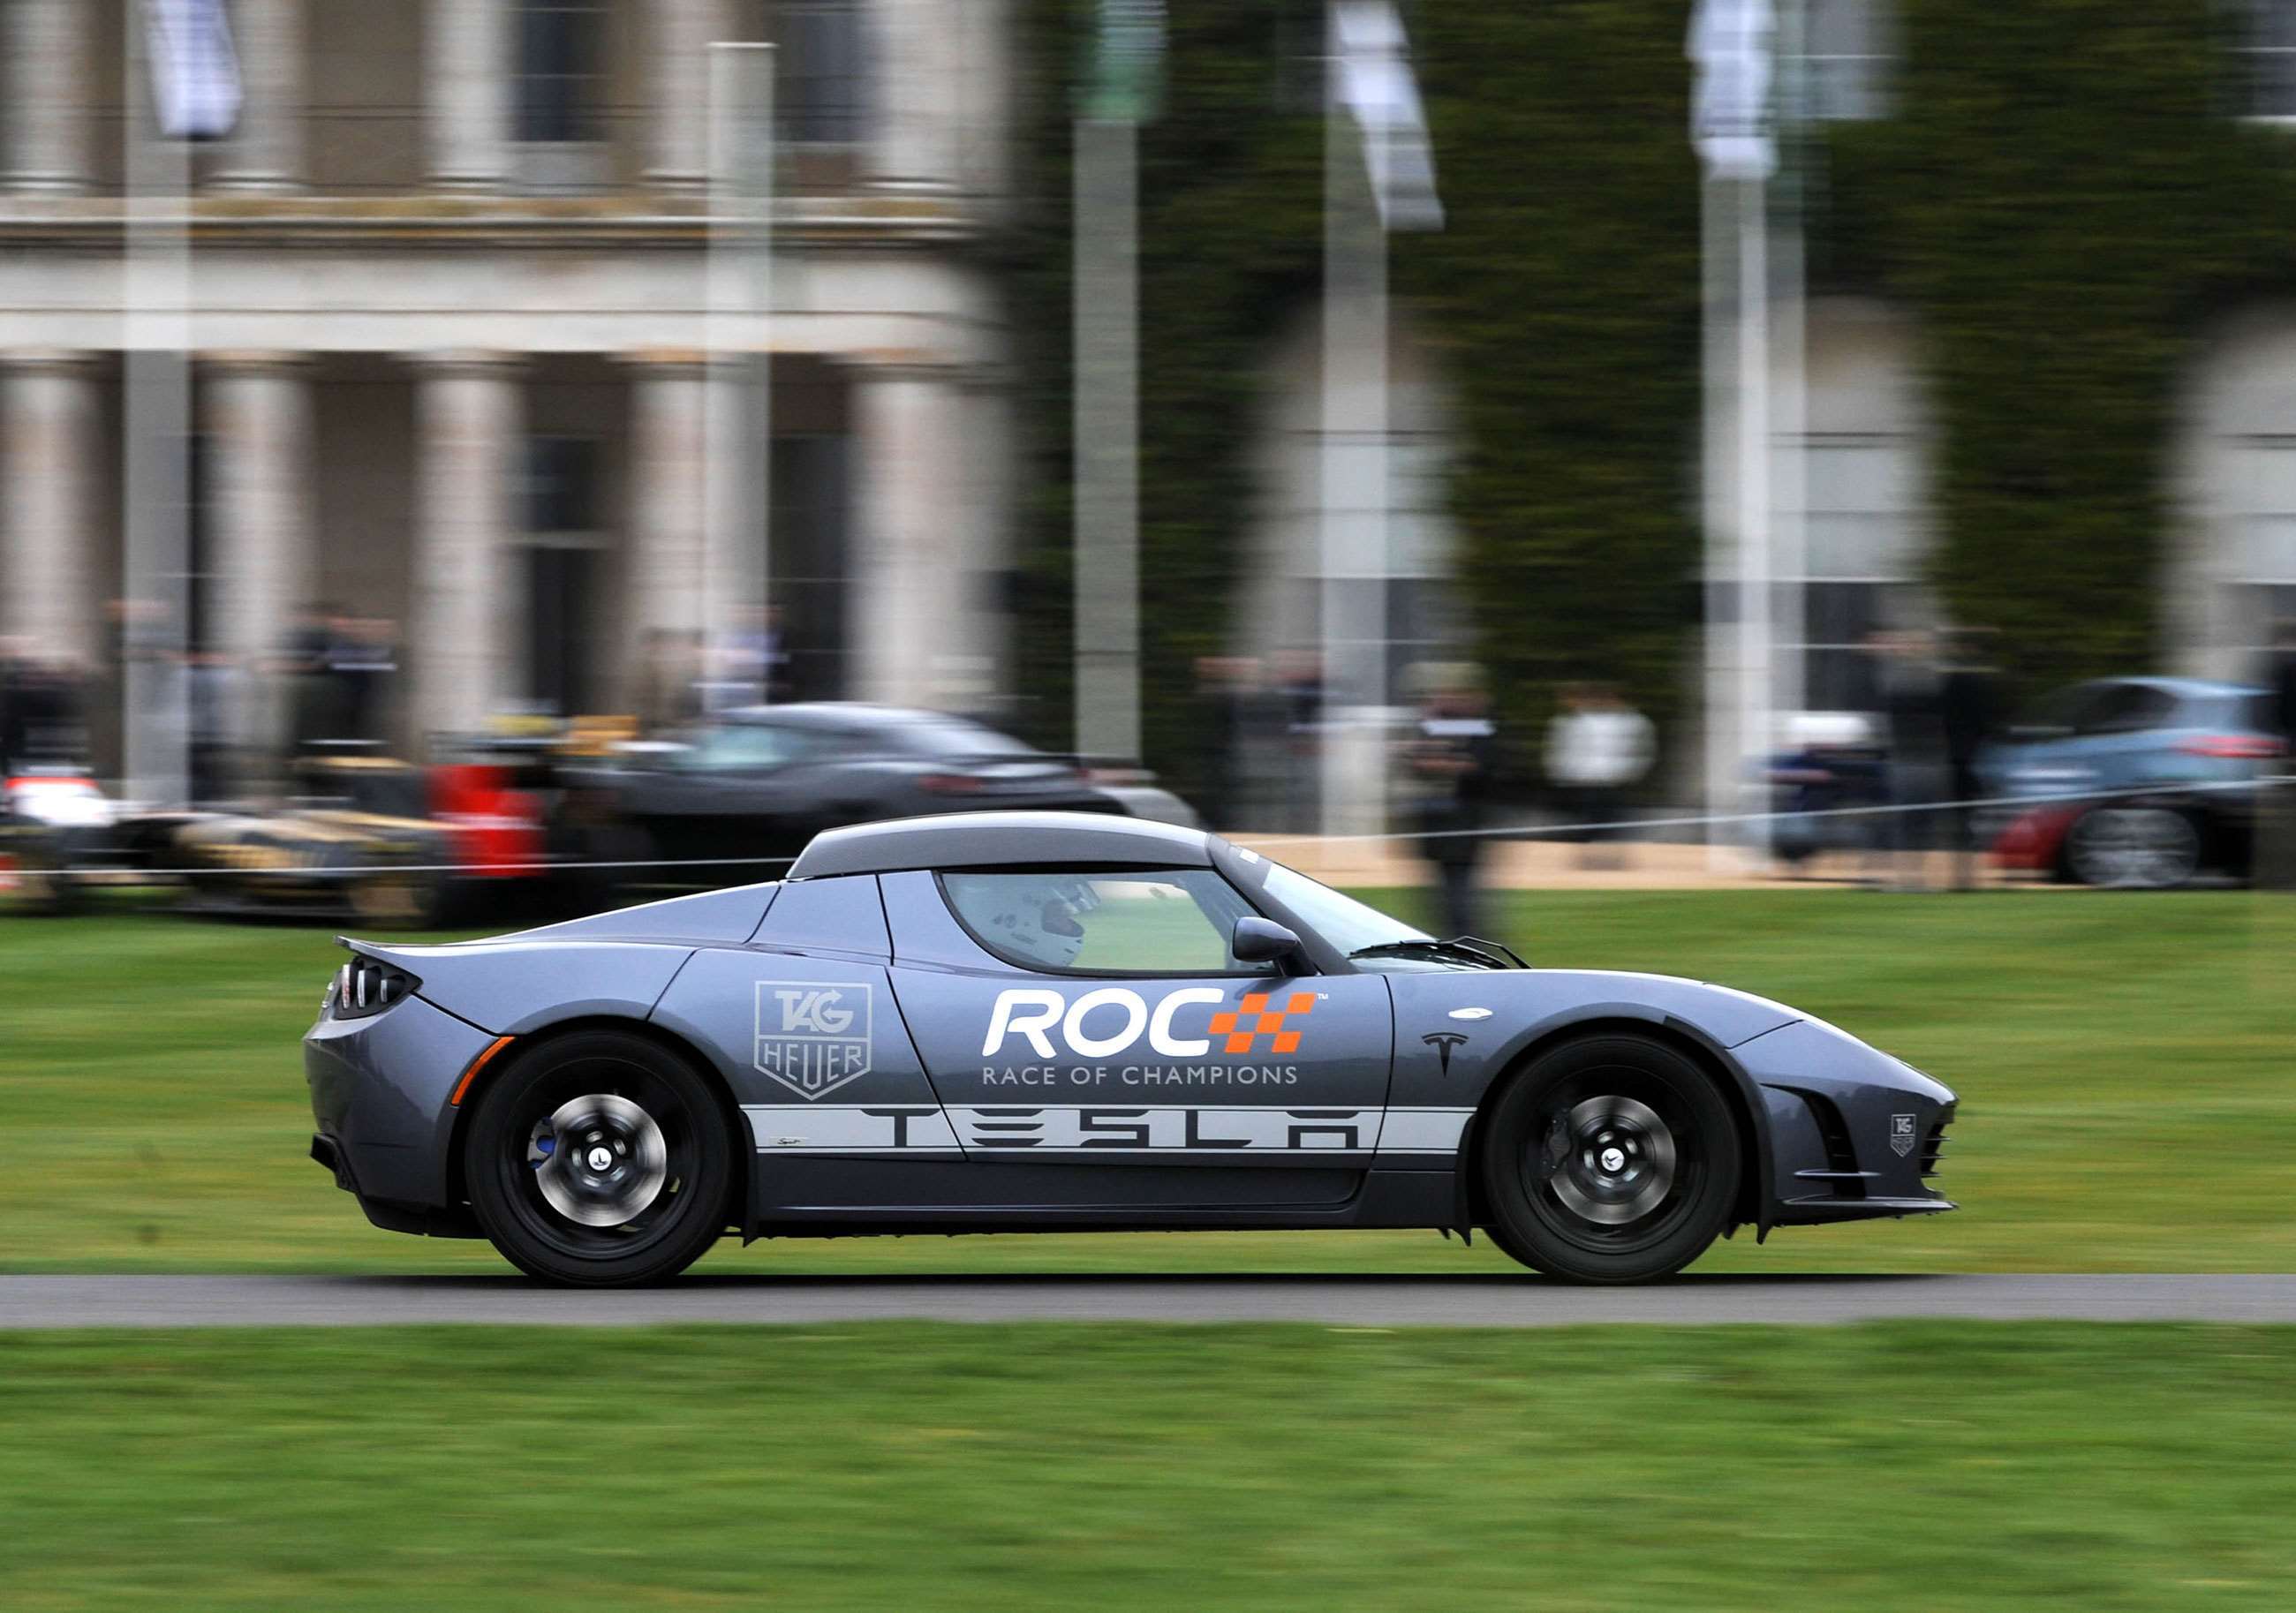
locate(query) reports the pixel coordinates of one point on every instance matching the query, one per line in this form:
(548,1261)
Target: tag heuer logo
(1901,1135)
(812,1037)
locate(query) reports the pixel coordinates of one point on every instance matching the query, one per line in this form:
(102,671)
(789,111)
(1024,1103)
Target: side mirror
(1259,940)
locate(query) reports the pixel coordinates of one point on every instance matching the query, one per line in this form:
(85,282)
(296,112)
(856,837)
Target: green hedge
(2063,201)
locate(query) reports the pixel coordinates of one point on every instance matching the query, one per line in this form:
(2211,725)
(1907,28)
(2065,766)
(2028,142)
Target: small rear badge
(1470,1013)
(1901,1135)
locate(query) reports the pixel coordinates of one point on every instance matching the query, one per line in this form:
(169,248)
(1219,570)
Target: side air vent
(1933,1144)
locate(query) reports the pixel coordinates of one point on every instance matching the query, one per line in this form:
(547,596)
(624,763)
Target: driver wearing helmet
(1036,917)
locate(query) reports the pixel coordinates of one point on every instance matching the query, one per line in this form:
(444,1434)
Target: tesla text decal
(1145,1128)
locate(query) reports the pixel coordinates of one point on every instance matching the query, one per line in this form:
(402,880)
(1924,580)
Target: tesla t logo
(1443,1041)
(811,1038)
(1101,1023)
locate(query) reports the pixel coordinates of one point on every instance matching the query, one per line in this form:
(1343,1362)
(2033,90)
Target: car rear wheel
(1612,1159)
(2133,848)
(600,1160)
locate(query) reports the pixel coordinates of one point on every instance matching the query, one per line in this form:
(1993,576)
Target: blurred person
(749,665)
(42,708)
(1598,748)
(667,679)
(304,665)
(1453,759)
(1246,726)
(214,687)
(1969,711)
(365,659)
(1301,695)
(1914,714)
(1829,767)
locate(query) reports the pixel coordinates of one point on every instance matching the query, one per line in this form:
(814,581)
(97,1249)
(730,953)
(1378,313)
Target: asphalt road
(61,1302)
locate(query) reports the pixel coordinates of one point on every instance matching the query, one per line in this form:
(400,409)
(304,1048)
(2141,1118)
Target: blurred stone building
(452,324)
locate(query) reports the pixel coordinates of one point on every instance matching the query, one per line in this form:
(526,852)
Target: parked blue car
(2173,761)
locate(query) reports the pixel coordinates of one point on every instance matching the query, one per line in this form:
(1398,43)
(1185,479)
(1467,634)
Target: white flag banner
(1371,62)
(1730,120)
(194,71)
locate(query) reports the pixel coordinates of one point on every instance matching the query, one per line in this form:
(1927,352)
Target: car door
(1138,1043)
(727,793)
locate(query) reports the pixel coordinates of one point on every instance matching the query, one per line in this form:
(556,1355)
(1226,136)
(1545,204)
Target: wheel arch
(1740,1095)
(740,1156)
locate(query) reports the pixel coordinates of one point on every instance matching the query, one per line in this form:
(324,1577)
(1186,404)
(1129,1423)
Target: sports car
(1009,1021)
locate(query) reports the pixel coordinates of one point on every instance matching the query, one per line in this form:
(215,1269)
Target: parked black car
(720,799)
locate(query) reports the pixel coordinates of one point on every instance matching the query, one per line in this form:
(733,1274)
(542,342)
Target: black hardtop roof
(994,839)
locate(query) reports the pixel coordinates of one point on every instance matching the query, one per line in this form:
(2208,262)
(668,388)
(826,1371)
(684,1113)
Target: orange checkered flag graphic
(1256,1019)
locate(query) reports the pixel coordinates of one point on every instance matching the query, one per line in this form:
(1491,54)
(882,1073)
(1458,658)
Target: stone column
(678,153)
(52,408)
(913,94)
(470,444)
(907,588)
(259,418)
(669,558)
(47,86)
(468,80)
(265,151)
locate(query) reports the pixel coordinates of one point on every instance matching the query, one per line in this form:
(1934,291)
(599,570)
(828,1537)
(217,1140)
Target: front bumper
(1855,1133)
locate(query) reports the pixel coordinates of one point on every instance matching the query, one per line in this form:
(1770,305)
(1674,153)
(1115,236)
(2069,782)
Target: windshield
(954,737)
(1348,924)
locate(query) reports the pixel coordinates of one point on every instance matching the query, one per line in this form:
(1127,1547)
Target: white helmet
(1036,916)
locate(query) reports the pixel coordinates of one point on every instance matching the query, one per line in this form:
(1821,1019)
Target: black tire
(504,1156)
(2133,848)
(1610,1159)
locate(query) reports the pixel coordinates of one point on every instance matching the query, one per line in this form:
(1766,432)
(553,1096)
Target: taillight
(2232,747)
(367,985)
(949,783)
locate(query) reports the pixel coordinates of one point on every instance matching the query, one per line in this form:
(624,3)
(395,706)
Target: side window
(2127,708)
(1164,922)
(746,748)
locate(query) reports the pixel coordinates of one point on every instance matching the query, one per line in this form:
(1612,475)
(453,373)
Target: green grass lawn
(918,1467)
(2127,1065)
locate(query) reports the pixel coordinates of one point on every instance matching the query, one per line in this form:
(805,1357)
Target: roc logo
(1255,1019)
(1103,1023)
(1901,1135)
(812,1037)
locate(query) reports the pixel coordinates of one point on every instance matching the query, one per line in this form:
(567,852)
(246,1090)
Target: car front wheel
(600,1160)
(1612,1159)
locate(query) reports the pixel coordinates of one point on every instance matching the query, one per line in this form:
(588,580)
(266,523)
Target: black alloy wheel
(600,1160)
(1610,1159)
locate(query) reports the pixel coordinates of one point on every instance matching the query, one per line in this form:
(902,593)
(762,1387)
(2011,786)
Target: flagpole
(737,536)
(1754,501)
(1731,41)
(156,587)
(1107,438)
(1352,529)
(1124,89)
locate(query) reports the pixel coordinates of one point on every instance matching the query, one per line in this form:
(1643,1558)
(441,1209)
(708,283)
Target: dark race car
(1054,1021)
(391,842)
(718,801)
